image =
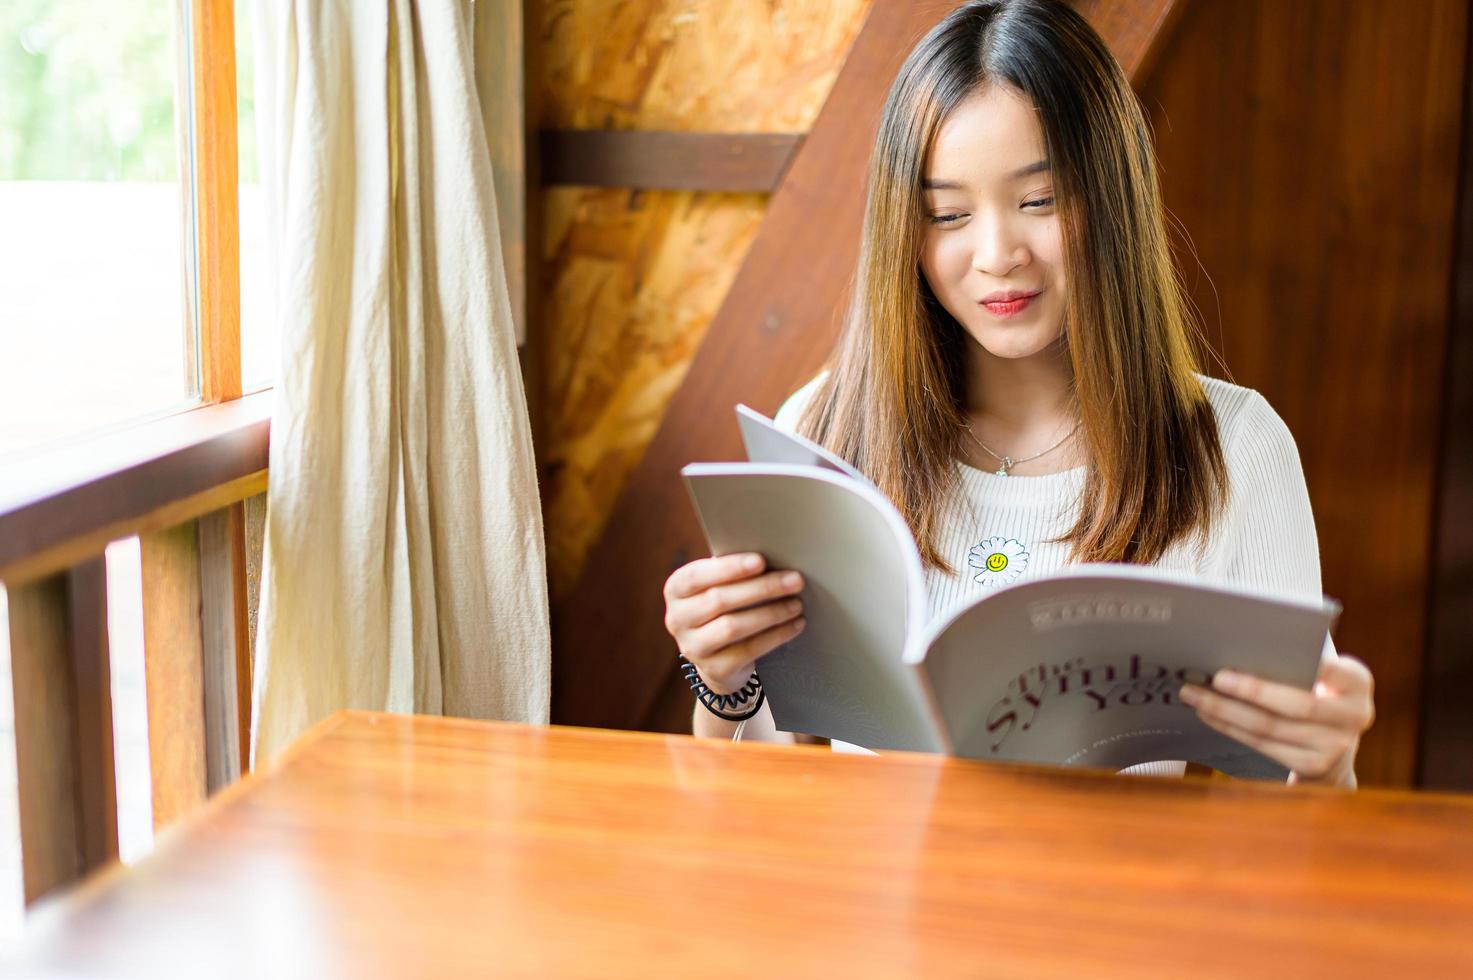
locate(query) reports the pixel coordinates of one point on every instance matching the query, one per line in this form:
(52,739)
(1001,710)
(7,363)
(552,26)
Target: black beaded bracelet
(718,703)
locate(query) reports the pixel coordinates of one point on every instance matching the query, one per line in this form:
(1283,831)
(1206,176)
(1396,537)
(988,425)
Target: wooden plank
(1358,378)
(642,160)
(211,25)
(771,334)
(226,641)
(59,506)
(63,727)
(97,788)
(1447,684)
(45,736)
(445,848)
(92,537)
(255,548)
(174,667)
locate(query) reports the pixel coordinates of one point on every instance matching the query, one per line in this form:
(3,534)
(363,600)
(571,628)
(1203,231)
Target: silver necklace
(1009,462)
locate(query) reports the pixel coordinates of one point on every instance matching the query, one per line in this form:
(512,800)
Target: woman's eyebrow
(1037,167)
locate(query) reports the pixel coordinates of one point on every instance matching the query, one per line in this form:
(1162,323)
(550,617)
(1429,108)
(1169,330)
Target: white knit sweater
(1264,540)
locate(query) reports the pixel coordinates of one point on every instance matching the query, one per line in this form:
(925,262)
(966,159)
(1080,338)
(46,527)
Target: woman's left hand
(1313,733)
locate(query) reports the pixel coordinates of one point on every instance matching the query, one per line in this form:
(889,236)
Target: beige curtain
(404,562)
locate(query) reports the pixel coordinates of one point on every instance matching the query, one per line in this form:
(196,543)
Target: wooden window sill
(62,505)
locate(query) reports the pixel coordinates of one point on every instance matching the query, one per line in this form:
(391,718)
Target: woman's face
(993,251)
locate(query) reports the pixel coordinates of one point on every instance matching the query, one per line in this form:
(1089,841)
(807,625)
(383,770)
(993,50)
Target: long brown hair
(891,402)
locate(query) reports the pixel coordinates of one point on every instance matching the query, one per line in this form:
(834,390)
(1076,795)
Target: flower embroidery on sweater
(998,561)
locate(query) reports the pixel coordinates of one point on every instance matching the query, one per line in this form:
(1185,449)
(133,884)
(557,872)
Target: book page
(1085,668)
(766,443)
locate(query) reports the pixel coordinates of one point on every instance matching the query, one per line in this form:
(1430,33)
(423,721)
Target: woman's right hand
(725,612)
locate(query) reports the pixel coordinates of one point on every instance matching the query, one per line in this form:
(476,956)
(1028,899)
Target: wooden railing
(179,484)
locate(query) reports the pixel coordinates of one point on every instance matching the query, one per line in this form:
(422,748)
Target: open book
(1079,668)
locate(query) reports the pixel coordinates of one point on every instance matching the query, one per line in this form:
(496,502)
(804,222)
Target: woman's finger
(1292,757)
(732,666)
(1291,702)
(1249,717)
(718,600)
(735,627)
(698,576)
(1347,675)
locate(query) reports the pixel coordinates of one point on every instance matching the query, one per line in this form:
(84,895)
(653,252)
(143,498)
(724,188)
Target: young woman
(1017,375)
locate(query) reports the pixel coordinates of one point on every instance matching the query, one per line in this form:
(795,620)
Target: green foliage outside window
(87,90)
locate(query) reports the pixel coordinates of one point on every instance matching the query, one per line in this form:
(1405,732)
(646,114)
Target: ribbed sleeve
(1267,540)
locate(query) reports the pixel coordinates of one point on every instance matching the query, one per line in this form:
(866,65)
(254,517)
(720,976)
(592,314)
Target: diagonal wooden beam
(1135,30)
(613,663)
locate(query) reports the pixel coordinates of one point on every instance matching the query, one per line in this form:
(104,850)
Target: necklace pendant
(1007,464)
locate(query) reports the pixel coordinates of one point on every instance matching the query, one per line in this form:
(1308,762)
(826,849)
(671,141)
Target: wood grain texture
(90,660)
(225,644)
(63,727)
(773,330)
(644,160)
(174,672)
(45,735)
(1446,761)
(741,66)
(216,204)
(389,846)
(625,328)
(59,506)
(631,280)
(255,536)
(1137,30)
(1314,172)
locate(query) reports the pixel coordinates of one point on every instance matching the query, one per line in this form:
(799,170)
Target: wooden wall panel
(633,279)
(1447,685)
(1309,149)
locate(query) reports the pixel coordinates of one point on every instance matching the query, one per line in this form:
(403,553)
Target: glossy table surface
(414,847)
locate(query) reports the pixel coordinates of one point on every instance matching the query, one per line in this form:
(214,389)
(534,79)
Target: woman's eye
(946,219)
(1039,203)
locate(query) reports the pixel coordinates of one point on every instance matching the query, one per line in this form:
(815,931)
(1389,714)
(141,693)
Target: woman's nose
(995,250)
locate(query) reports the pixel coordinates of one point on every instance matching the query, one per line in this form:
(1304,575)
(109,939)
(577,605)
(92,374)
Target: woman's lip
(1008,308)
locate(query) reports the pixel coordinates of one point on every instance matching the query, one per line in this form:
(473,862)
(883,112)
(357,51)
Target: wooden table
(389,846)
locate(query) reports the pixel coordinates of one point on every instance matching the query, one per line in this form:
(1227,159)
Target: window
(93,320)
